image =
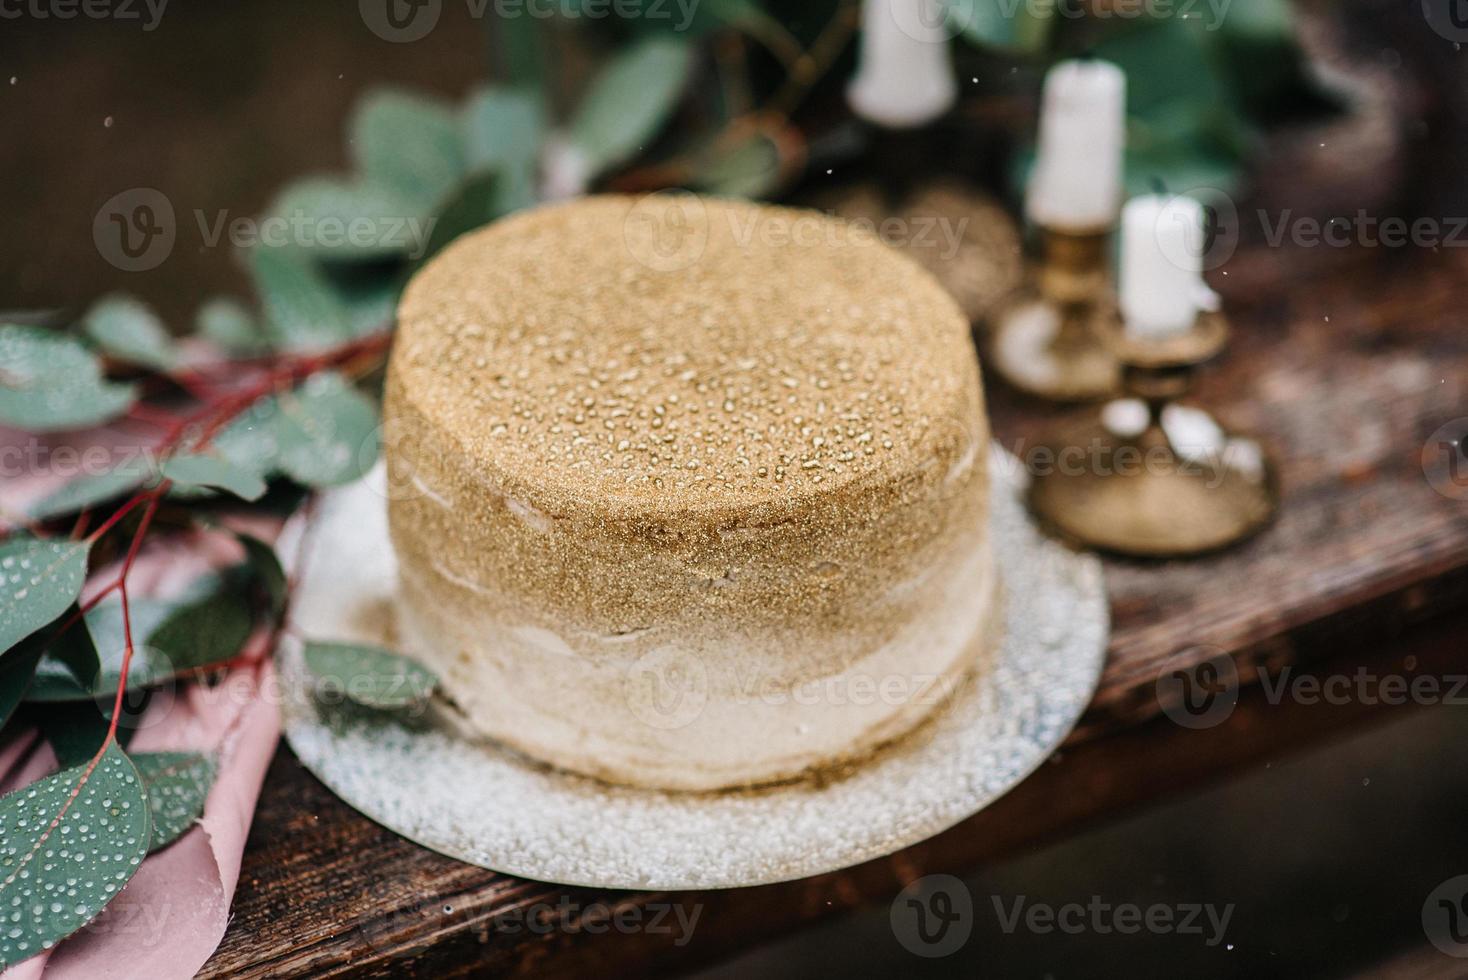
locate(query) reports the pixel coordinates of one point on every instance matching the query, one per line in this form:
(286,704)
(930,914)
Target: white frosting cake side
(690,529)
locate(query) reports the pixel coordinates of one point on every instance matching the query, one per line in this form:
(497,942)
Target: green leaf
(629,100)
(177,784)
(477,202)
(16,671)
(750,169)
(301,310)
(1023,29)
(356,221)
(130,331)
(328,432)
(198,470)
(49,382)
(38,581)
(370,292)
(407,143)
(265,564)
(229,326)
(73,648)
(62,856)
(76,731)
(368,675)
(503,133)
(93,489)
(323,433)
(201,634)
(205,626)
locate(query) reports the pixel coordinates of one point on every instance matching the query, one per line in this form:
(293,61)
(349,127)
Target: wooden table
(1345,362)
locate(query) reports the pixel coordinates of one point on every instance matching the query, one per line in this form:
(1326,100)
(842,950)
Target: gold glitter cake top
(676,352)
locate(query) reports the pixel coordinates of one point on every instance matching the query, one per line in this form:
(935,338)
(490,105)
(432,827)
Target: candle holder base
(1151,478)
(1051,350)
(1139,496)
(962,236)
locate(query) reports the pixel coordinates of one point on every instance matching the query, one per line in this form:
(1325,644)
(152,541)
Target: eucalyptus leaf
(750,169)
(50,382)
(68,844)
(101,629)
(301,310)
(39,579)
(328,432)
(370,291)
(476,203)
(177,784)
(130,331)
(228,325)
(629,100)
(265,565)
(353,221)
(205,626)
(72,646)
(200,470)
(503,133)
(210,631)
(368,675)
(16,672)
(408,143)
(89,490)
(75,731)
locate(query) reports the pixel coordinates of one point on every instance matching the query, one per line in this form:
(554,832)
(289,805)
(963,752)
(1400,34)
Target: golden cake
(687,493)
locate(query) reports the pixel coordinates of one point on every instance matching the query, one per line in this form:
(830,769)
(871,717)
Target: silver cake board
(421,777)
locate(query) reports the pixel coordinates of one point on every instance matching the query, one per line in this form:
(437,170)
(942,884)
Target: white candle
(905,75)
(1076,183)
(1162,287)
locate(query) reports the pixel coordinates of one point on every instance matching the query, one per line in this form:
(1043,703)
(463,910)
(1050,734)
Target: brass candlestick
(1045,340)
(1151,478)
